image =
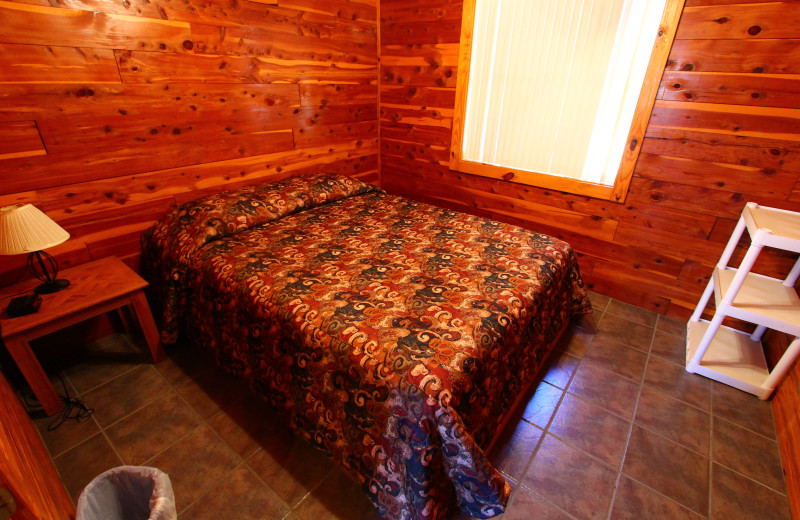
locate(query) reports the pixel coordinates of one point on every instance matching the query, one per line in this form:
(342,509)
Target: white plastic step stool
(731,356)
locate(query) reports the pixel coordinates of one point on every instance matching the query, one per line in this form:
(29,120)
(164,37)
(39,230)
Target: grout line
(632,424)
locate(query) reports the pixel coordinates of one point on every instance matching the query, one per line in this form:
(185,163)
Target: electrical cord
(74,409)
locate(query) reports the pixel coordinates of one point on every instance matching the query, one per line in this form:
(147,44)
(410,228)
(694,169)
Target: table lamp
(25,229)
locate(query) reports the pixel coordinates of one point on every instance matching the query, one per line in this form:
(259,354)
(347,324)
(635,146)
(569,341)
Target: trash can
(128,493)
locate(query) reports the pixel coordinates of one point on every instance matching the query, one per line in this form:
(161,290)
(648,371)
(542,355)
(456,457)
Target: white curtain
(554,83)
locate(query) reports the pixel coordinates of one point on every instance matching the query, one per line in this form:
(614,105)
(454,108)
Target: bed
(395,335)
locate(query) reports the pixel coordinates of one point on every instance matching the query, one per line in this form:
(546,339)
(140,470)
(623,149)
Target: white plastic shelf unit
(731,356)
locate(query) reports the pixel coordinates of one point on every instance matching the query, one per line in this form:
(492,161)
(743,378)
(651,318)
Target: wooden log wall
(112,112)
(725,130)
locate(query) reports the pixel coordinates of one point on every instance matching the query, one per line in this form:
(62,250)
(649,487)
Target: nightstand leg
(36,377)
(149,329)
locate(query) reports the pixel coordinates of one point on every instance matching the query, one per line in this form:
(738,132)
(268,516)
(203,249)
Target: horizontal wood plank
(56,101)
(38,64)
(321,134)
(434,135)
(775,154)
(769,122)
(442,76)
(422,97)
(767,20)
(20,139)
(31,24)
(322,95)
(421,32)
(260,42)
(356,10)
(232,14)
(415,151)
(771,90)
(766,182)
(420,11)
(424,117)
(757,56)
(149,67)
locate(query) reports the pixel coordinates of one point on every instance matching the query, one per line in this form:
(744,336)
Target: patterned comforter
(394,334)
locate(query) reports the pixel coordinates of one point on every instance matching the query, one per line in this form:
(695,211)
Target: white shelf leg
(793,275)
(736,284)
(701,306)
(783,366)
(705,341)
(733,241)
(758,333)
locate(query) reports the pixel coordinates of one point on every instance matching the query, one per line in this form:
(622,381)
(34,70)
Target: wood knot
(752,31)
(188,45)
(508,176)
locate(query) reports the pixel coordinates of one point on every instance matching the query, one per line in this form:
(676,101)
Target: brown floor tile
(291,467)
(241,495)
(212,390)
(576,341)
(588,322)
(670,469)
(676,382)
(571,480)
(633,313)
(91,373)
(625,331)
(672,326)
(151,429)
(81,464)
(637,502)
(591,429)
(185,362)
(524,506)
(746,410)
(247,424)
(559,369)
(734,496)
(674,420)
(337,498)
(101,361)
(542,405)
(599,301)
(126,393)
(672,348)
(748,453)
(195,464)
(616,357)
(605,389)
(517,448)
(66,436)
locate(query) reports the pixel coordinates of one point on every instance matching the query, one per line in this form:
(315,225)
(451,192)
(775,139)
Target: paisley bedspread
(395,335)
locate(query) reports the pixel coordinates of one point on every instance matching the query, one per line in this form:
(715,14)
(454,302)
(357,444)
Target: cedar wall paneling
(725,130)
(113,112)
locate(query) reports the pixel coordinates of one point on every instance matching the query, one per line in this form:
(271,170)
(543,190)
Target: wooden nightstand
(95,288)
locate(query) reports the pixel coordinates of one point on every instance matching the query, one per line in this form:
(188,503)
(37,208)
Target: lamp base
(51,287)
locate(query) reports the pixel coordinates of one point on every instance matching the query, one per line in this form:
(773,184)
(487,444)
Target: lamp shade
(25,229)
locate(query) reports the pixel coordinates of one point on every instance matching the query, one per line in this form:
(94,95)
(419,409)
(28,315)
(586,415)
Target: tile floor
(614,429)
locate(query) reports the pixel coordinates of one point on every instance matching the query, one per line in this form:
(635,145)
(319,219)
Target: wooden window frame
(647,97)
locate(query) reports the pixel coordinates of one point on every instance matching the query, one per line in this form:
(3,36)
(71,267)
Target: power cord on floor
(74,409)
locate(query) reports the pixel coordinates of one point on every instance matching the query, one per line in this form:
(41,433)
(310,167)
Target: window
(558,93)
